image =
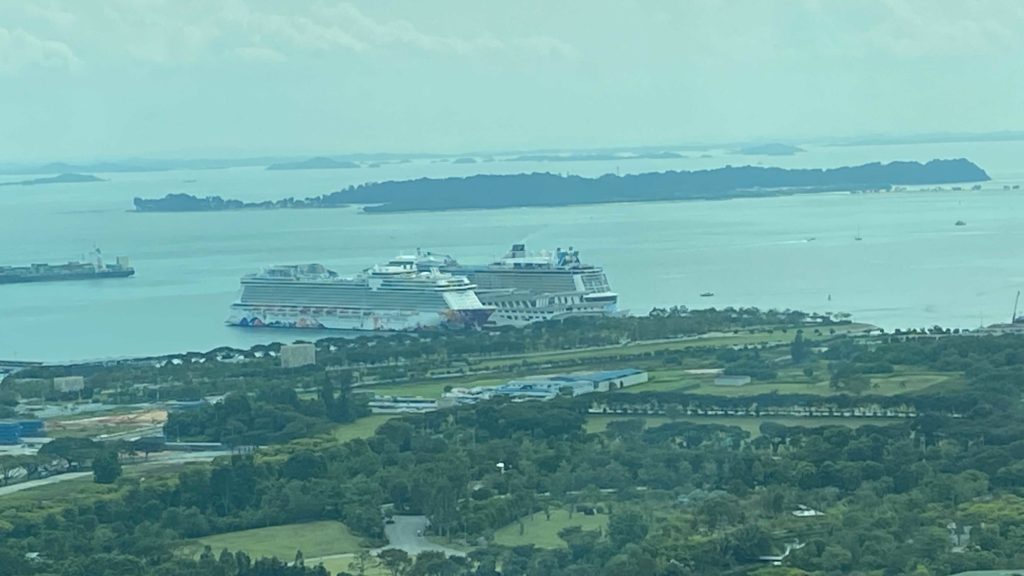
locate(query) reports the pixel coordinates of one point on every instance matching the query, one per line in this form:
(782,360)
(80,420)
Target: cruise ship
(393,297)
(524,287)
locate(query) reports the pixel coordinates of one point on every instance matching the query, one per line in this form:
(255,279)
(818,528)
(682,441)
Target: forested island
(545,189)
(69,178)
(319,163)
(190,203)
(595,156)
(849,451)
(771,149)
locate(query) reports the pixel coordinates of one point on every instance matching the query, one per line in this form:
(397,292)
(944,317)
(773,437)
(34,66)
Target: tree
(73,451)
(627,527)
(363,562)
(433,563)
(396,562)
(304,465)
(149,444)
(106,468)
(799,349)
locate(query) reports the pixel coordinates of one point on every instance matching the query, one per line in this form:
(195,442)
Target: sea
(911,268)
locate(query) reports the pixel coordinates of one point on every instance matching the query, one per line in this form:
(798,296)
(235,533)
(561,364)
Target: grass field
(543,533)
(599,422)
(58,495)
(347,564)
(741,338)
(362,428)
(313,538)
(793,381)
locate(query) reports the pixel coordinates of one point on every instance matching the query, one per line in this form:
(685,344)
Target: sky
(198,78)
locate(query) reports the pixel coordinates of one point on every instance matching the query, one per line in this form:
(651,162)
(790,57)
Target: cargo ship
(96,269)
(392,297)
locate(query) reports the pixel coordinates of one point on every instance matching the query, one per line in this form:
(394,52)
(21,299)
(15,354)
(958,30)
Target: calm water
(913,267)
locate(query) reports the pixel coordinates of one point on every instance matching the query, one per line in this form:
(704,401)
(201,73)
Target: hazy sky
(83,79)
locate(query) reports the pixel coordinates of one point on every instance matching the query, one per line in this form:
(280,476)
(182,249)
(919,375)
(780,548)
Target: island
(488,191)
(595,157)
(770,149)
(69,178)
(189,203)
(318,163)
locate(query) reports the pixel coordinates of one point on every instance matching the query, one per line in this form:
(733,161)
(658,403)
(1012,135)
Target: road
(154,460)
(406,533)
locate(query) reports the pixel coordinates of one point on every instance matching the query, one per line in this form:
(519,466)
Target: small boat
(810,239)
(706,294)
(960,223)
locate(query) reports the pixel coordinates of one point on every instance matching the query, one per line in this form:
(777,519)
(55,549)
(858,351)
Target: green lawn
(347,564)
(793,381)
(543,533)
(314,539)
(599,422)
(911,380)
(426,389)
(48,496)
(53,498)
(362,428)
(742,338)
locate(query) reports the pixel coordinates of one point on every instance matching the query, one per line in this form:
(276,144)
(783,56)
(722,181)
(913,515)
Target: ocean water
(913,268)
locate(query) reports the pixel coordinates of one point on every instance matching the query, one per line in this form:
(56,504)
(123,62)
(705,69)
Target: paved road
(407,534)
(154,460)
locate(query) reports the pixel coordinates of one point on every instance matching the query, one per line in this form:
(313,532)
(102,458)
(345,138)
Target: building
(548,387)
(578,383)
(297,355)
(402,404)
(10,433)
(65,384)
(32,428)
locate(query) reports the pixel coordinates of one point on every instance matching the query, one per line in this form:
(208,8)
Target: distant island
(58,179)
(543,189)
(190,203)
(464,160)
(594,157)
(318,163)
(771,149)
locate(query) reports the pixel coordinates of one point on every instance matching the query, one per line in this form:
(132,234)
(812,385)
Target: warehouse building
(65,384)
(12,432)
(548,387)
(297,355)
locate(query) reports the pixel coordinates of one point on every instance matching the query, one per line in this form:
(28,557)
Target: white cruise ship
(525,288)
(396,296)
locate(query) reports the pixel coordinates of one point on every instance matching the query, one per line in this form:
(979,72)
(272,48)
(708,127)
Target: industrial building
(12,432)
(297,355)
(548,387)
(65,384)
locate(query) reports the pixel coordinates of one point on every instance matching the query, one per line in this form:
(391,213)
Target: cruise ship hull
(514,308)
(354,319)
